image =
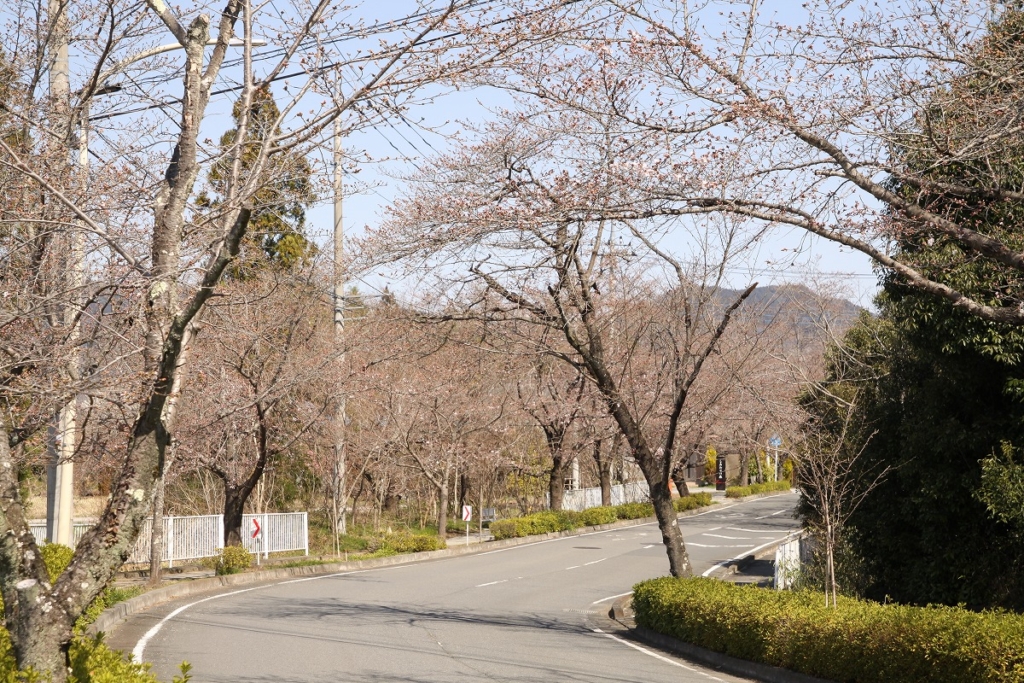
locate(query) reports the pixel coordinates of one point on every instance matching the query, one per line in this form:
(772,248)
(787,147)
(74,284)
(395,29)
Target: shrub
(634,510)
(753,489)
(692,502)
(595,516)
(404,542)
(858,641)
(230,560)
(56,557)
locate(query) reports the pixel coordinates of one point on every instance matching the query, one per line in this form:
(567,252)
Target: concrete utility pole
(63,435)
(340,427)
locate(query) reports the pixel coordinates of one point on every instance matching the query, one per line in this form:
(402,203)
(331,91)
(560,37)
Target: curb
(114,616)
(731,665)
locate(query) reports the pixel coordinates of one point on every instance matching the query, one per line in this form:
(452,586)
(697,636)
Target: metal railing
(631,492)
(196,537)
(278,532)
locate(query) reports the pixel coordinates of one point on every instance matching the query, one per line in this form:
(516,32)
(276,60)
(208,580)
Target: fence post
(305,533)
(169,521)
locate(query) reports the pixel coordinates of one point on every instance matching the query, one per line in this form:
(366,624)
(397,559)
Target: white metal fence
(278,531)
(193,538)
(630,492)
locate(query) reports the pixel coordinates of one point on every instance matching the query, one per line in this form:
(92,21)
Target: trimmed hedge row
(860,641)
(768,487)
(566,520)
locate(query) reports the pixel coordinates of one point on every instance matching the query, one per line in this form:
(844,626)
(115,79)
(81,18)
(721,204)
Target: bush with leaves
(755,489)
(230,560)
(858,640)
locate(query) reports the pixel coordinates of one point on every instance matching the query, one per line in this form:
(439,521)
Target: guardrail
(196,537)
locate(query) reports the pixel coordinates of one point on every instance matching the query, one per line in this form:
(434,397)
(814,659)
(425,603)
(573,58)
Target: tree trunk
(442,508)
(156,543)
(671,536)
(556,482)
(679,479)
(604,471)
(744,470)
(465,489)
(234,508)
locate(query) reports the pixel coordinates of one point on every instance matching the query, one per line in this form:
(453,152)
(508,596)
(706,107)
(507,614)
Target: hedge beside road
(566,520)
(754,489)
(860,641)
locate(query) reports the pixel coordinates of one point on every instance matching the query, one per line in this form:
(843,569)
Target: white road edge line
(140,646)
(587,564)
(656,655)
(744,554)
(492,583)
(612,597)
(575,566)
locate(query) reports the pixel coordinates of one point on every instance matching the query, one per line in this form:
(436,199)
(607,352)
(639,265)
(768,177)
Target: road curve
(527,613)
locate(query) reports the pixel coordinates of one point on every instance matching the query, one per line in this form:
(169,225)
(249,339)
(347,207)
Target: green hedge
(565,520)
(692,502)
(859,641)
(405,542)
(770,487)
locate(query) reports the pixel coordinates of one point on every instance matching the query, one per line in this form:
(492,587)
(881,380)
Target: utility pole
(340,427)
(63,435)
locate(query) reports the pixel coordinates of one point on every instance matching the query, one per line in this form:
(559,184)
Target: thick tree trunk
(234,508)
(671,536)
(556,482)
(744,470)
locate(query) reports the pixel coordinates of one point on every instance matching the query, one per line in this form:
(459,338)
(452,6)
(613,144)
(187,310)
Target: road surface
(527,613)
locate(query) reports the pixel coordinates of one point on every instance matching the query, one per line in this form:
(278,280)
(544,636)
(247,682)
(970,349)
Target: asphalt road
(528,613)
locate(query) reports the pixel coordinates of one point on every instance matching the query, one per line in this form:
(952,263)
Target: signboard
(720,473)
(256,531)
(775,441)
(467,513)
(488,515)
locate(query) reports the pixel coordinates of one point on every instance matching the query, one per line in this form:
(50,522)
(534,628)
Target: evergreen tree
(277,230)
(940,393)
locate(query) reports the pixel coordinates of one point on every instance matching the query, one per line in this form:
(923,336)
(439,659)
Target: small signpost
(467,517)
(257,535)
(720,473)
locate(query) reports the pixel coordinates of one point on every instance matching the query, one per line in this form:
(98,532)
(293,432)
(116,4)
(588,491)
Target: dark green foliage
(933,415)
(276,230)
(754,489)
(857,641)
(938,392)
